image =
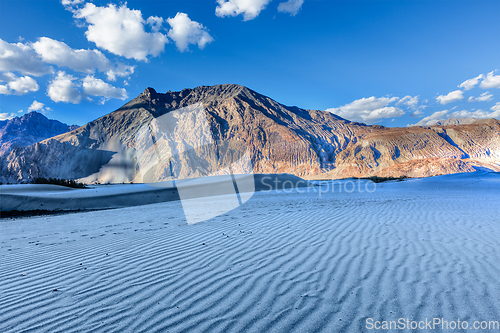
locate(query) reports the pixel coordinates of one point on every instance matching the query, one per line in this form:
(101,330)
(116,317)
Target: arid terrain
(279,139)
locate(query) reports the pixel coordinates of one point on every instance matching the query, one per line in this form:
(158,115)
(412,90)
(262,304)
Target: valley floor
(299,261)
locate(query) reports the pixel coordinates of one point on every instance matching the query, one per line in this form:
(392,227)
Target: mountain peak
(159,103)
(150,93)
(28,129)
(31,116)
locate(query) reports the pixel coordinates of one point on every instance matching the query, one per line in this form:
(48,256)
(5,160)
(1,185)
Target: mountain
(28,129)
(421,152)
(456,121)
(236,122)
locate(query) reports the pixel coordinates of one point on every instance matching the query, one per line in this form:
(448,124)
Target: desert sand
(284,261)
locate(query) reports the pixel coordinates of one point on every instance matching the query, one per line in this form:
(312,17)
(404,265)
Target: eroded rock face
(421,152)
(278,139)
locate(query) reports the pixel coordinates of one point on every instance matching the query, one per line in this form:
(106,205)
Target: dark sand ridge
(58,198)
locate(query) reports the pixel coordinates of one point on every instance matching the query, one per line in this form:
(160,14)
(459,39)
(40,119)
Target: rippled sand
(281,262)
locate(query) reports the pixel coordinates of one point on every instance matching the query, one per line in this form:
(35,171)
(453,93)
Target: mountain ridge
(278,138)
(28,129)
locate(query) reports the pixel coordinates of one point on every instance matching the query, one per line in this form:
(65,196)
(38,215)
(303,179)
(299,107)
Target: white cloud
(71,2)
(451,97)
(491,81)
(291,6)
(19,57)
(432,119)
(6,116)
(418,112)
(471,83)
(58,53)
(409,101)
(369,109)
(121,70)
(445,114)
(63,89)
(155,22)
(496,107)
(185,32)
(17,85)
(120,30)
(485,97)
(385,112)
(35,106)
(249,8)
(477,114)
(87,61)
(97,87)
(33,59)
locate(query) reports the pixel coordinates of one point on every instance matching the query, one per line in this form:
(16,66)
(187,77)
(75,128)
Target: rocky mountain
(158,136)
(28,129)
(456,121)
(421,152)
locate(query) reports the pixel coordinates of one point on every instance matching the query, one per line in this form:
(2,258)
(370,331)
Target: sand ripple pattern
(282,262)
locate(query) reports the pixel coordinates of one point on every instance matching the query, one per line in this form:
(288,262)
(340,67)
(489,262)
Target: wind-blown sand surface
(281,262)
(32,197)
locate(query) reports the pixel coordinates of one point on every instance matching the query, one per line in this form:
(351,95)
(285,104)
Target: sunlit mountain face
(198,132)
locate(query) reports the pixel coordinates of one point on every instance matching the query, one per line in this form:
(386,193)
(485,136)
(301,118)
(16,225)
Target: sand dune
(281,262)
(31,197)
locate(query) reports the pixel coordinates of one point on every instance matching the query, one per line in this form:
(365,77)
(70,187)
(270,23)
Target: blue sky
(392,63)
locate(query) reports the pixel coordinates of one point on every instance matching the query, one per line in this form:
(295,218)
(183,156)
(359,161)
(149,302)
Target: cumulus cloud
(6,116)
(19,57)
(64,89)
(97,87)
(432,119)
(185,32)
(491,81)
(418,111)
(71,2)
(120,30)
(87,61)
(471,83)
(121,70)
(496,107)
(155,22)
(369,109)
(250,9)
(17,85)
(409,101)
(477,114)
(451,97)
(291,6)
(416,114)
(447,114)
(484,97)
(36,106)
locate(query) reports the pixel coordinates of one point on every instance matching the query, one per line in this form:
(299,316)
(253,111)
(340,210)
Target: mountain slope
(28,129)
(419,152)
(278,138)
